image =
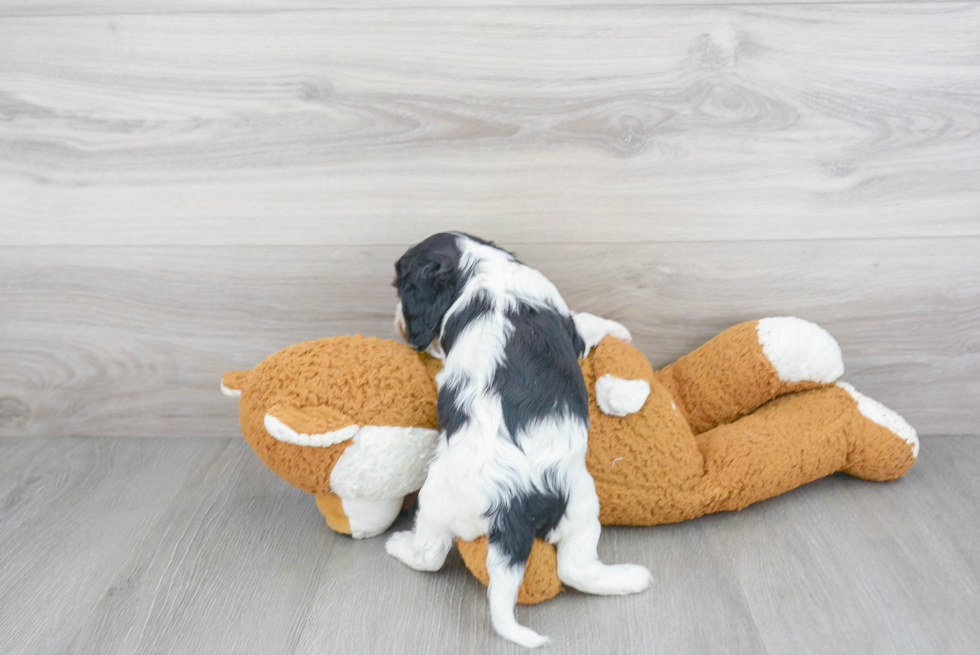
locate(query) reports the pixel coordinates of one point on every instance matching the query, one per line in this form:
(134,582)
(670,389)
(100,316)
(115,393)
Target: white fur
(594,329)
(800,350)
(384,462)
(279,430)
(619,397)
(231,393)
(884,417)
(482,466)
(369,517)
(505,583)
(374,474)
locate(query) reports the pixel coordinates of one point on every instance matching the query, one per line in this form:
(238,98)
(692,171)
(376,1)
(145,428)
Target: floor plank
(70,516)
(616,124)
(133,341)
(235,559)
(883,568)
(98,7)
(233,520)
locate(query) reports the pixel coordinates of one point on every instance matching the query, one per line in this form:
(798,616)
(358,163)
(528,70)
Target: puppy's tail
(513,526)
(506,576)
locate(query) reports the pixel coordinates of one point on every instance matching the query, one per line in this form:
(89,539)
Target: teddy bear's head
(304,407)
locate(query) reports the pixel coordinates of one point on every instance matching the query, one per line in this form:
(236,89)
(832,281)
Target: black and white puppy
(514,420)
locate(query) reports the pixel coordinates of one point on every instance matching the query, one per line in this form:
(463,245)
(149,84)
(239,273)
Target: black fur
(480,304)
(451,417)
(428,279)
(526,515)
(540,375)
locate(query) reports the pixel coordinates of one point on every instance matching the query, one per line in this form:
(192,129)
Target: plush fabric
(721,428)
(327,386)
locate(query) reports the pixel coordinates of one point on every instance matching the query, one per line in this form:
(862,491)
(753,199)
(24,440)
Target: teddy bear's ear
(319,425)
(233,382)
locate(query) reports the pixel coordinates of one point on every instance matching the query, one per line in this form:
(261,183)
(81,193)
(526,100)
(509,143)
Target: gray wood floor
(192,545)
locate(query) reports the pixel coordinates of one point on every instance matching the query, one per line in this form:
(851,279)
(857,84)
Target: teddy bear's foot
(359,517)
(370,517)
(883,445)
(799,350)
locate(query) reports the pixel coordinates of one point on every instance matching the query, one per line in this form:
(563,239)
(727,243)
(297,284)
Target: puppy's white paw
(405,547)
(607,580)
(619,331)
(401,546)
(629,579)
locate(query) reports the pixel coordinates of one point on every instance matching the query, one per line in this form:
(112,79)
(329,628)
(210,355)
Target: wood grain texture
(239,561)
(70,515)
(803,560)
(232,521)
(133,341)
(99,7)
(617,124)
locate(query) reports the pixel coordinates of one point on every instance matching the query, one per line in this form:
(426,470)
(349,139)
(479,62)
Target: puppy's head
(428,278)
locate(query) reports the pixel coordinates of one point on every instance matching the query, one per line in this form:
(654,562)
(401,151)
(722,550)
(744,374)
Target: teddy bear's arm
(618,396)
(748,365)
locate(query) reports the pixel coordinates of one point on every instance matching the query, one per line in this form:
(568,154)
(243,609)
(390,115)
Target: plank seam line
(402,244)
(562,7)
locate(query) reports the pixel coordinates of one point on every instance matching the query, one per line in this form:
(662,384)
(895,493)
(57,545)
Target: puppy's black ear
(428,284)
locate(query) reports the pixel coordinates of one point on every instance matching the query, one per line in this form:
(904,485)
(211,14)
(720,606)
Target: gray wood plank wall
(184,192)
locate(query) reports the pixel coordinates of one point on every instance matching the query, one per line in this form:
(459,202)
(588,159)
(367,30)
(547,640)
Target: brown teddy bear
(749,415)
(351,419)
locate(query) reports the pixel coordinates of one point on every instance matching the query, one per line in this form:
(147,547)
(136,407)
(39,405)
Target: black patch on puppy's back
(479,305)
(540,375)
(451,416)
(515,522)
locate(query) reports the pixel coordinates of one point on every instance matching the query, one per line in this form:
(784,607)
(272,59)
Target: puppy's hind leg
(577,538)
(506,576)
(424,548)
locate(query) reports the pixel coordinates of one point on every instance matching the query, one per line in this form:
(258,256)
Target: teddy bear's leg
(369,517)
(748,365)
(332,509)
(359,517)
(798,438)
(884,446)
